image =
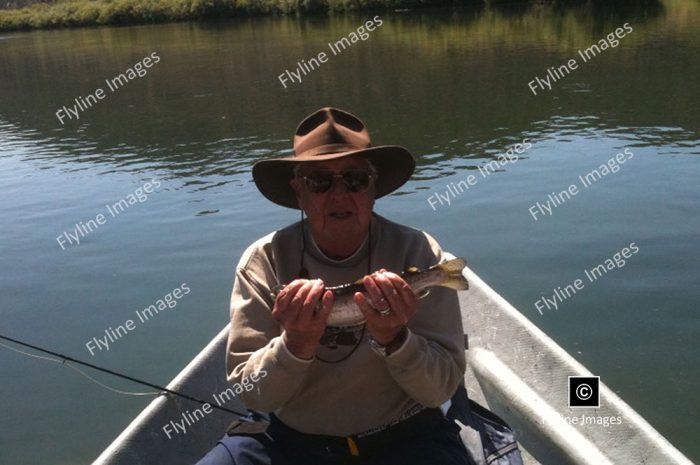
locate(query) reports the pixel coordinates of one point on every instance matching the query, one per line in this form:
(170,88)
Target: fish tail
(453,268)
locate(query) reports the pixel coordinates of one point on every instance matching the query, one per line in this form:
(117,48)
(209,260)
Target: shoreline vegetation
(81,13)
(28,14)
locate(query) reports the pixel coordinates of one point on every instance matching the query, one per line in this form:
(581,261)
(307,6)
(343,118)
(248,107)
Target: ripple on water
(200,166)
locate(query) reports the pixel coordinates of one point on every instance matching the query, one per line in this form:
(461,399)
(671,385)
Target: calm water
(452,87)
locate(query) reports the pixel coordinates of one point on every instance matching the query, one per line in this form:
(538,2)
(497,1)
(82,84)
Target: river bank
(79,13)
(42,14)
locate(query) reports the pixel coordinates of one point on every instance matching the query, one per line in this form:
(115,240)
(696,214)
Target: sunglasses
(321,181)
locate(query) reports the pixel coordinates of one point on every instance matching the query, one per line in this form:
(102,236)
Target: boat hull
(513,368)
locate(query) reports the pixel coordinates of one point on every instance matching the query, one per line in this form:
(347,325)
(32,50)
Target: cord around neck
(304,274)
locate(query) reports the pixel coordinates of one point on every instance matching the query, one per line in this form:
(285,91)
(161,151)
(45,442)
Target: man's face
(338,214)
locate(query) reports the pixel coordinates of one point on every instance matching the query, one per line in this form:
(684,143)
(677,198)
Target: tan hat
(326,134)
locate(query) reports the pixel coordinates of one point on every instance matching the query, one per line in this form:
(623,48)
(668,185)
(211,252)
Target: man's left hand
(391,305)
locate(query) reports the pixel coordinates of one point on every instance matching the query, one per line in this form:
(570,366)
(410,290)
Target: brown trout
(346,312)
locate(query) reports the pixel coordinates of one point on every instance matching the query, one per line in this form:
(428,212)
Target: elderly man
(367,394)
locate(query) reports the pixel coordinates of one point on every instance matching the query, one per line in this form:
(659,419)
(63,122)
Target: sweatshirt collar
(353,260)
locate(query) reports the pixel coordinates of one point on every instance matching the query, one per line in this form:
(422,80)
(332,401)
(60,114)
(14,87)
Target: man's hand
(298,311)
(388,293)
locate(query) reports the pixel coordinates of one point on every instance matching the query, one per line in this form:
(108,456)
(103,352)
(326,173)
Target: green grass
(76,13)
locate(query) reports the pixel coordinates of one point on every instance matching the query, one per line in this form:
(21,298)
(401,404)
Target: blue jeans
(424,439)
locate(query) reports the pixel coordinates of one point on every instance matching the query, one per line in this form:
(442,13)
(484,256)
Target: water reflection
(452,86)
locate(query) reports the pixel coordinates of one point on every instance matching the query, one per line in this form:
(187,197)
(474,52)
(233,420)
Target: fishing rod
(66,358)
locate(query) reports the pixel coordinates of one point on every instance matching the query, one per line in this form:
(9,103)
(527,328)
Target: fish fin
(455,279)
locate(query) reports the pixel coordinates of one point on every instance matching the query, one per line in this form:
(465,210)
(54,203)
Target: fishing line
(65,358)
(81,372)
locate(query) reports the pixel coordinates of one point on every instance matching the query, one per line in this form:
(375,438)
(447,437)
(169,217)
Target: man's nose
(338,187)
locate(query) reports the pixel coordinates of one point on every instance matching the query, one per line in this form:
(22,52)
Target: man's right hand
(296,311)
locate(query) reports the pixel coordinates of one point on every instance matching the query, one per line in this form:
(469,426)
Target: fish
(346,313)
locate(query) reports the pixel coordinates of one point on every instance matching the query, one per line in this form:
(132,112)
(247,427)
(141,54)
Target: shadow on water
(626,10)
(449,84)
(617,11)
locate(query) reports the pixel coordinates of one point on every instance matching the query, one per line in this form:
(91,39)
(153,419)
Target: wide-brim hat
(327,134)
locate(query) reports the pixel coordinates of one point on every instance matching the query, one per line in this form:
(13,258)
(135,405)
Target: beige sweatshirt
(365,390)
